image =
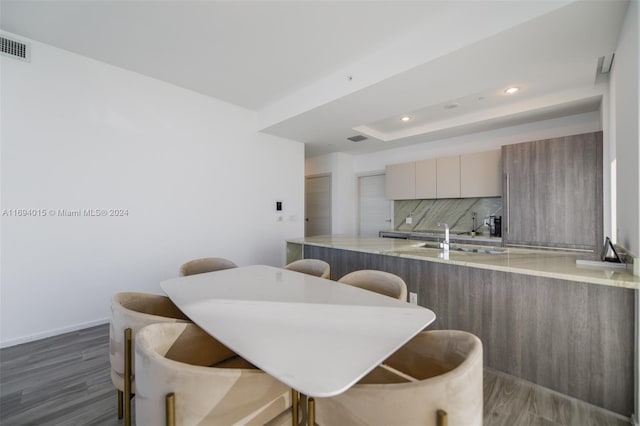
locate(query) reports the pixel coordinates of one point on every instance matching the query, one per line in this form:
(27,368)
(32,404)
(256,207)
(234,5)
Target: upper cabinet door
(481,174)
(426,179)
(448,177)
(400,181)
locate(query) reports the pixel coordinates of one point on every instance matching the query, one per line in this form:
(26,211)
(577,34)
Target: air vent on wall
(357,138)
(15,49)
(604,64)
(607,61)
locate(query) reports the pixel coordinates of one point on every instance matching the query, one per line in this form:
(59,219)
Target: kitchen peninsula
(540,316)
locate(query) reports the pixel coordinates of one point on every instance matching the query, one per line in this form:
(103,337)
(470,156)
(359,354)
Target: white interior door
(374,210)
(317,205)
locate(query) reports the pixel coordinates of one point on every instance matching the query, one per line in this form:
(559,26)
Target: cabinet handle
(508,208)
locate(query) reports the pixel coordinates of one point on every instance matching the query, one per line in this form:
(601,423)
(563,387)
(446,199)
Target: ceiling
(246,53)
(321,71)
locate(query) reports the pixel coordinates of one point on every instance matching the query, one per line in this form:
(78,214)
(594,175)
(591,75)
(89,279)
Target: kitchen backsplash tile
(457,212)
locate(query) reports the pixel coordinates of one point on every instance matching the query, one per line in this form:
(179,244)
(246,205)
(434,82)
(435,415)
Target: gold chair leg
(127,377)
(311,415)
(442,418)
(120,398)
(170,409)
(295,407)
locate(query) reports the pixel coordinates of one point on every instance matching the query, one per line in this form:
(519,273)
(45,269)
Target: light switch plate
(408,220)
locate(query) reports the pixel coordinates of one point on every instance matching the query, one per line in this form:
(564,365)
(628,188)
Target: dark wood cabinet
(553,193)
(572,337)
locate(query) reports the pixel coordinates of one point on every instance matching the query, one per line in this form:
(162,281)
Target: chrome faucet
(474,217)
(445,244)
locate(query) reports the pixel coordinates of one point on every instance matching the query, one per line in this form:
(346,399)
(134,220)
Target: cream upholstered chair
(315,267)
(129,313)
(186,377)
(206,264)
(434,379)
(378,281)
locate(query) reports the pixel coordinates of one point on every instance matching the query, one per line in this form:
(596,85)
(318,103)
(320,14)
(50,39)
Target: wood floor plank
(62,380)
(65,381)
(512,401)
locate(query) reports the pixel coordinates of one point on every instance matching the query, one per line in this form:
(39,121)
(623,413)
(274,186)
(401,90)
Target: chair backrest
(206,264)
(135,311)
(315,267)
(436,370)
(378,281)
(184,360)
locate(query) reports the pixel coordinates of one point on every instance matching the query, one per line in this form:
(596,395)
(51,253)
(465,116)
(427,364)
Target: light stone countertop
(544,263)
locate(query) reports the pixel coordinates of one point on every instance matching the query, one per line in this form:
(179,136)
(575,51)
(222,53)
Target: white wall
(195,176)
(624,116)
(624,112)
(343,189)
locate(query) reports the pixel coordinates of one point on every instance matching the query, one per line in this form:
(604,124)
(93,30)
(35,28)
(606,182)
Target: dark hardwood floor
(64,380)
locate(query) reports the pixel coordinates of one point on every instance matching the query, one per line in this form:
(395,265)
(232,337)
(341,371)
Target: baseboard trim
(51,333)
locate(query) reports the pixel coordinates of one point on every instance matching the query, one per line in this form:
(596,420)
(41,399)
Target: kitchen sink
(479,250)
(431,244)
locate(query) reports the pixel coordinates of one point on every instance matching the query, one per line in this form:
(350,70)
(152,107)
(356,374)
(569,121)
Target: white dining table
(316,335)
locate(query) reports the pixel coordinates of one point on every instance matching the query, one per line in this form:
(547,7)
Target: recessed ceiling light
(406,118)
(511,90)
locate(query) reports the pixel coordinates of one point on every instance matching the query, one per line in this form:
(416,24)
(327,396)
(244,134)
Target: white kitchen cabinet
(426,173)
(459,176)
(481,174)
(448,177)
(400,181)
